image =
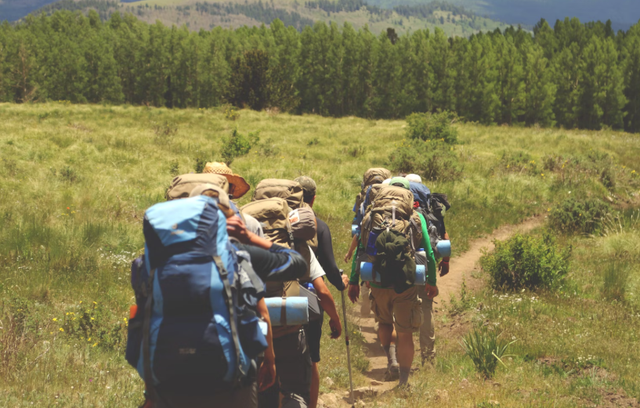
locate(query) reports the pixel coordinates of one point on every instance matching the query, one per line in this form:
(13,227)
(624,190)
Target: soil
(462,268)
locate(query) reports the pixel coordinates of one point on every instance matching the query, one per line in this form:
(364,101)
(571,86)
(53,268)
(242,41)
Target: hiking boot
(428,359)
(392,373)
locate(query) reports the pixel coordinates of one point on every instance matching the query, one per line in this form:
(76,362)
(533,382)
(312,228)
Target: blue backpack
(196,329)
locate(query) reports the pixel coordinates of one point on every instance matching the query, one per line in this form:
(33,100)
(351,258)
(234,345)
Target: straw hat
(237,185)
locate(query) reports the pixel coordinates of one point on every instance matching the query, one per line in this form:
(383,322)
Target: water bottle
(309,286)
(421,257)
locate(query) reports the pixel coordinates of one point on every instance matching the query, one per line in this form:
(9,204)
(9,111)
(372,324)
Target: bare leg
(405,355)
(315,386)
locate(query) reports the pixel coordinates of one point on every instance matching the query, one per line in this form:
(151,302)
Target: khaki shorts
(404,309)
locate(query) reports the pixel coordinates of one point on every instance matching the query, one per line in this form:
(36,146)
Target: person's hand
(345,280)
(432,291)
(267,374)
(237,229)
(336,328)
(443,268)
(348,257)
(354,292)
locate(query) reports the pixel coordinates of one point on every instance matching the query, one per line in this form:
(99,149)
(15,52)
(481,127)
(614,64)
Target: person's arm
(267,371)
(278,264)
(237,229)
(354,245)
(326,258)
(431,280)
(329,306)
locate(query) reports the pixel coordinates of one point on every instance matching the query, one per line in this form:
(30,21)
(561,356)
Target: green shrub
(238,145)
(485,349)
(584,216)
(526,261)
(231,113)
(431,160)
(432,126)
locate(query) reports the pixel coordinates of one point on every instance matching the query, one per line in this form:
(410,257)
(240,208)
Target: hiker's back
(195,330)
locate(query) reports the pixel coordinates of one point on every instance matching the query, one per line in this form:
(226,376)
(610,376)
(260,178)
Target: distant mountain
(206,14)
(622,13)
(15,9)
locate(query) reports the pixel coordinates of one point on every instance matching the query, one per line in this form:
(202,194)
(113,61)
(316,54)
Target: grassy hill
(622,13)
(78,178)
(208,14)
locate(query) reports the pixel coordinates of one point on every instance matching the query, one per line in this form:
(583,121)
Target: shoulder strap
(146,352)
(224,275)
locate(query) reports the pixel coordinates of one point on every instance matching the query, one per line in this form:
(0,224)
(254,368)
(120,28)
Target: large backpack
(372,177)
(291,191)
(195,329)
(181,186)
(379,217)
(433,207)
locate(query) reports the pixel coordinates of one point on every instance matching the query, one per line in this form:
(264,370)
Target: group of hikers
(230,301)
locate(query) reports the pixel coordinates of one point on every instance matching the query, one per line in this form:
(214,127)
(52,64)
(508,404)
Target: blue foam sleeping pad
(297,311)
(366,273)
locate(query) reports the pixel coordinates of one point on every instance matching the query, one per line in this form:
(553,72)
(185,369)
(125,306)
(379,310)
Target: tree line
(571,75)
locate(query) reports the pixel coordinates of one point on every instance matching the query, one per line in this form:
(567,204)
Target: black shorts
(314,333)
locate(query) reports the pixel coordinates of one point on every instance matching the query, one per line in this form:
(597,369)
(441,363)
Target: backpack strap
(146,352)
(224,275)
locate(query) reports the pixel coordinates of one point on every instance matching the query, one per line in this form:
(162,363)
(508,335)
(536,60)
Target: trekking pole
(346,338)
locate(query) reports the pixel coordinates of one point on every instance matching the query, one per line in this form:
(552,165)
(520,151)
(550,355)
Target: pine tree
(443,69)
(539,89)
(510,85)
(602,99)
(631,60)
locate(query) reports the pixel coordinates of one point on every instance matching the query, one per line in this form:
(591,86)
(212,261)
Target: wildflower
(95,303)
(92,318)
(61,329)
(89,339)
(94,344)
(55,320)
(68,208)
(542,174)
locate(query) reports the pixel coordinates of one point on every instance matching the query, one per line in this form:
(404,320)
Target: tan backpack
(181,186)
(288,189)
(371,177)
(380,215)
(273,216)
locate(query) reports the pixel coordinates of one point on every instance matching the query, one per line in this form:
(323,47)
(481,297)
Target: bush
(579,216)
(431,160)
(238,145)
(485,349)
(527,262)
(432,126)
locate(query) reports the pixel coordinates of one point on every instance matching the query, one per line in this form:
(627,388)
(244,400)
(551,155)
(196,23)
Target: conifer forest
(568,73)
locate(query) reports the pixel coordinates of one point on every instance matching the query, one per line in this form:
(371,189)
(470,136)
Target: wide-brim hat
(238,186)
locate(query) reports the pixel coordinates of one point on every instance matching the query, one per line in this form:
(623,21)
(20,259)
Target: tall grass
(76,180)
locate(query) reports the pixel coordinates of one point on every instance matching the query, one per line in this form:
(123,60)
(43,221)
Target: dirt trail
(461,268)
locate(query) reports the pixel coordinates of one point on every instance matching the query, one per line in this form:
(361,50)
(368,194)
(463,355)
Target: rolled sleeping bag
(443,248)
(289,311)
(366,273)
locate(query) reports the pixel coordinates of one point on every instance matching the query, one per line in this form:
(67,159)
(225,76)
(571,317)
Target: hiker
(395,299)
(278,205)
(327,264)
(370,178)
(177,319)
(422,196)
